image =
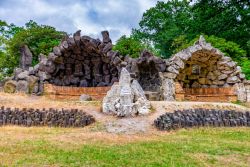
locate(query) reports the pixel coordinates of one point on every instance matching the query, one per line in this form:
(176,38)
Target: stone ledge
(73,93)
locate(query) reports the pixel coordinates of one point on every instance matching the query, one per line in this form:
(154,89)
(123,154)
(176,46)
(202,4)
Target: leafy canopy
(132,46)
(39,39)
(128,46)
(162,23)
(167,20)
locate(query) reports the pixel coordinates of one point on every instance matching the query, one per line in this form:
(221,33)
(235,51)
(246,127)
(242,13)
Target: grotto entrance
(89,72)
(81,61)
(80,65)
(207,76)
(149,80)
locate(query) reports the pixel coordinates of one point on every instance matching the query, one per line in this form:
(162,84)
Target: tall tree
(228,19)
(162,23)
(132,46)
(39,38)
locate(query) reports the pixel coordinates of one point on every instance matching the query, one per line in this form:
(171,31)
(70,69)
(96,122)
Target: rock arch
(82,61)
(213,68)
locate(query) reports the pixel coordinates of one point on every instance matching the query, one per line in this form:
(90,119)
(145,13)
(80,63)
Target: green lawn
(65,147)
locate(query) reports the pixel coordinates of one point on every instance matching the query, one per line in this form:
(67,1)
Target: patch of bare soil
(107,123)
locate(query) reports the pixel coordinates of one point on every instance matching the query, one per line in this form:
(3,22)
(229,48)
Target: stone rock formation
(78,61)
(10,86)
(201,66)
(126,98)
(202,117)
(85,97)
(82,61)
(52,117)
(25,58)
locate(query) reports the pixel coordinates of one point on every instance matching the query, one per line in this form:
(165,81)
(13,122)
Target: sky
(90,16)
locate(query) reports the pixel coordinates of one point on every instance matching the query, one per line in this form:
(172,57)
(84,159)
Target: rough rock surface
(22,86)
(51,117)
(82,61)
(126,98)
(85,97)
(10,86)
(202,65)
(202,117)
(26,57)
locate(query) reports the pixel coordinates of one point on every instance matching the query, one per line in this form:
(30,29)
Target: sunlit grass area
(42,146)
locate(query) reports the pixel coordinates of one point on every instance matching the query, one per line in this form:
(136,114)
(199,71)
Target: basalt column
(83,61)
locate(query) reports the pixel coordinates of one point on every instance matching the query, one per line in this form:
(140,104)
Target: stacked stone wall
(50,117)
(202,117)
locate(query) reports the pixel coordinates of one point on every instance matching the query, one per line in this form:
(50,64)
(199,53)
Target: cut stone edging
(52,117)
(202,117)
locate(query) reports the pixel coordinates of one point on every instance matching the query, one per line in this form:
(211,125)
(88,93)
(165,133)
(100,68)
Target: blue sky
(90,16)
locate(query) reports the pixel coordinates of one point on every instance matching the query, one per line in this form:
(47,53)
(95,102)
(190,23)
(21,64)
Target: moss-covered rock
(10,86)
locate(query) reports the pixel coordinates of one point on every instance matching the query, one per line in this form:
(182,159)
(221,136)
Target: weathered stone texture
(51,117)
(25,58)
(202,117)
(126,98)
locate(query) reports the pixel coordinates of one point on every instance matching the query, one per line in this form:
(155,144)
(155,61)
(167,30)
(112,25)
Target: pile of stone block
(51,117)
(202,117)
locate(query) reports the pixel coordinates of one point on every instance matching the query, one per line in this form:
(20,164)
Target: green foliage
(128,46)
(39,39)
(162,23)
(226,19)
(245,64)
(132,46)
(168,22)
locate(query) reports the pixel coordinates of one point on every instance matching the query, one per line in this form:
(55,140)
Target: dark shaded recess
(149,77)
(90,71)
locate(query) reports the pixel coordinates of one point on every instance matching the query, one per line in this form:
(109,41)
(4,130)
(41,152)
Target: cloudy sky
(90,16)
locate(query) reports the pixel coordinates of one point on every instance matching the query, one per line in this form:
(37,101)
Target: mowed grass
(20,146)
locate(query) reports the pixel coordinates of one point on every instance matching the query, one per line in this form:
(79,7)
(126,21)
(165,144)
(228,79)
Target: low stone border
(202,117)
(51,117)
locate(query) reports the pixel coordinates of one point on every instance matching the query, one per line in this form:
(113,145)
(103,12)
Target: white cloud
(91,16)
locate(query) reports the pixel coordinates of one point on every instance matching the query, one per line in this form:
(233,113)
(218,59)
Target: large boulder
(22,86)
(32,84)
(23,75)
(85,97)
(10,86)
(126,98)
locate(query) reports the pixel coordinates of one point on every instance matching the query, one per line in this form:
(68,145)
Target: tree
(246,67)
(228,19)
(132,46)
(162,23)
(167,20)
(39,39)
(128,46)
